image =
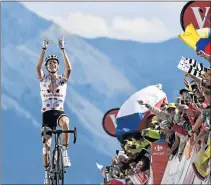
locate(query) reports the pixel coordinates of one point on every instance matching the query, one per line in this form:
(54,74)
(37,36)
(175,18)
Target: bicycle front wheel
(59,168)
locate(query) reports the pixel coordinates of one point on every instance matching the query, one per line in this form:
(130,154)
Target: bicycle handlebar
(58,132)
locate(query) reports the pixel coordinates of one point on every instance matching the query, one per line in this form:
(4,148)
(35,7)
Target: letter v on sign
(113,118)
(191,14)
(200,18)
(109,122)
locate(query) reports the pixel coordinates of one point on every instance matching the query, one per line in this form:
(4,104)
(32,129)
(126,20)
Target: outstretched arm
(67,64)
(40,73)
(162,115)
(204,55)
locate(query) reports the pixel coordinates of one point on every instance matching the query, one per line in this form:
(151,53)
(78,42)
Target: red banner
(142,177)
(116,181)
(159,160)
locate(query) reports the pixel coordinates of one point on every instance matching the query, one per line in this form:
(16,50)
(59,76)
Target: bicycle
(56,169)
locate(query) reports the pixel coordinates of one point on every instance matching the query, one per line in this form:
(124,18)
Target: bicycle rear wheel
(59,168)
(53,167)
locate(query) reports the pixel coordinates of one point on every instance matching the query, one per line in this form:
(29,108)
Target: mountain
(147,63)
(86,94)
(105,73)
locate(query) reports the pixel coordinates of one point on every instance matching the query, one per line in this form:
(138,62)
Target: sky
(138,21)
(146,22)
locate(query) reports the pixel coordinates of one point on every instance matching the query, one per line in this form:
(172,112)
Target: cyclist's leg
(46,150)
(64,123)
(48,122)
(46,155)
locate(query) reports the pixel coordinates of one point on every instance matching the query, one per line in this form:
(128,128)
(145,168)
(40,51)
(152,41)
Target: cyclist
(53,91)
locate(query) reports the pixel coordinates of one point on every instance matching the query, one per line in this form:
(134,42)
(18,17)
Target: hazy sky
(140,21)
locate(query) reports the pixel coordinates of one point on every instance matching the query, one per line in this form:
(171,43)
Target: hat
(154,119)
(192,85)
(207,74)
(183,90)
(171,105)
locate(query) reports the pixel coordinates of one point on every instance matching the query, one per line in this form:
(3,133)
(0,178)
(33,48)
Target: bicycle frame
(58,148)
(54,169)
(57,140)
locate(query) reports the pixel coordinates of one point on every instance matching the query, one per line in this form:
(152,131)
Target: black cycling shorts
(51,118)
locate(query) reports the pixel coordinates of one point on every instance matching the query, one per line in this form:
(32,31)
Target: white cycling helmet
(51,57)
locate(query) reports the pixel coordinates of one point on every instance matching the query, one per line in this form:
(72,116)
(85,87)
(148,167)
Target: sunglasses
(131,146)
(171,109)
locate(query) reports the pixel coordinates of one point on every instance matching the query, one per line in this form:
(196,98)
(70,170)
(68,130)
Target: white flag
(99,166)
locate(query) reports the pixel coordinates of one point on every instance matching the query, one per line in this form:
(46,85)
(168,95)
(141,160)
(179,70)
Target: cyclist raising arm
(53,91)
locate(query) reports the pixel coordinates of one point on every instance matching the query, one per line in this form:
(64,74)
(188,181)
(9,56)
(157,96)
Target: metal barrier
(181,172)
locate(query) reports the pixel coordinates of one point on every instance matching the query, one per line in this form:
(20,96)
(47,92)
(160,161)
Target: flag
(132,116)
(204,32)
(186,82)
(190,36)
(204,44)
(101,168)
(197,39)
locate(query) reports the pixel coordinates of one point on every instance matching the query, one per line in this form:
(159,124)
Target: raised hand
(141,102)
(61,43)
(45,43)
(201,53)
